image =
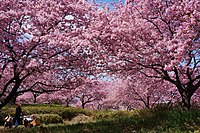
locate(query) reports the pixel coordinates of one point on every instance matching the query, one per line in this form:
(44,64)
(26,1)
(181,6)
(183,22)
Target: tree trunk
(148,102)
(67,104)
(14,99)
(83,105)
(128,108)
(99,106)
(12,94)
(186,98)
(83,101)
(35,98)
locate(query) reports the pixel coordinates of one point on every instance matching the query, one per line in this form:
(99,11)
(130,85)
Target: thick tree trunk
(13,101)
(186,98)
(10,96)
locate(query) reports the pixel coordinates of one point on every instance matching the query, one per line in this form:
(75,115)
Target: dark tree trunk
(83,101)
(35,98)
(14,100)
(68,101)
(186,93)
(67,104)
(186,98)
(83,105)
(99,106)
(148,102)
(129,108)
(12,94)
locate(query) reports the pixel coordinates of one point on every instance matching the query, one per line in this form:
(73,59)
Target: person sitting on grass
(8,122)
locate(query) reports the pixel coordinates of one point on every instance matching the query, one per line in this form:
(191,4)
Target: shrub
(69,113)
(49,118)
(64,112)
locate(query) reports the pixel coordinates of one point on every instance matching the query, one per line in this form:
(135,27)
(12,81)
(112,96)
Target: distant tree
(145,92)
(90,92)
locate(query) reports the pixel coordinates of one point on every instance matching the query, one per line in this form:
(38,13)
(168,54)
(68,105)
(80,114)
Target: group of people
(17,118)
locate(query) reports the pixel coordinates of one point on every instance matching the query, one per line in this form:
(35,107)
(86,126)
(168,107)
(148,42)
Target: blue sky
(107,1)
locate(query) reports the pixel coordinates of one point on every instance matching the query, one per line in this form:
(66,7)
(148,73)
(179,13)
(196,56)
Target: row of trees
(126,94)
(48,46)
(89,92)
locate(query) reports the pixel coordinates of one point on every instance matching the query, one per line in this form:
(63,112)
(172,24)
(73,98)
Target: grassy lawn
(158,120)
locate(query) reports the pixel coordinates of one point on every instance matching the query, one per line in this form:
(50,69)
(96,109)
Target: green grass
(157,120)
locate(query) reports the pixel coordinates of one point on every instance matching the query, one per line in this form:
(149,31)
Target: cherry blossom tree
(39,37)
(196,98)
(64,96)
(26,98)
(91,91)
(144,92)
(157,38)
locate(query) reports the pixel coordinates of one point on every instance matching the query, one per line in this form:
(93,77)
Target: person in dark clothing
(18,113)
